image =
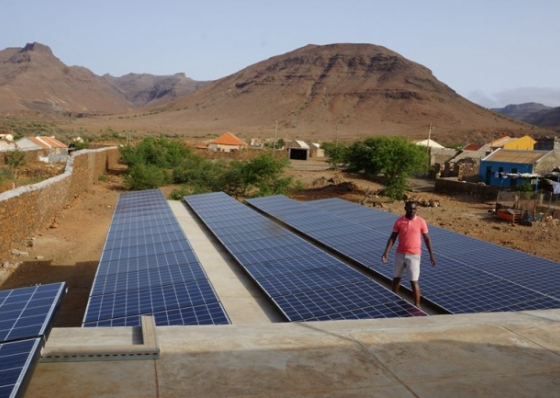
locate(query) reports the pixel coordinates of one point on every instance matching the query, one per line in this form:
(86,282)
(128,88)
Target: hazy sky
(493,52)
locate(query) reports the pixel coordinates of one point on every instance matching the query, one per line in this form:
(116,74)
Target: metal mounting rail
(149,349)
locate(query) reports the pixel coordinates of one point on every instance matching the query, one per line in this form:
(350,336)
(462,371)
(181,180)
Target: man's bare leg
(416,293)
(396,285)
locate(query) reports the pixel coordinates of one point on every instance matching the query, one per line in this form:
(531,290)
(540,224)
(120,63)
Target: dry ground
(70,248)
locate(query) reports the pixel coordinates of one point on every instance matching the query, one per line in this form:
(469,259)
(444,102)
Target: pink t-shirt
(410,234)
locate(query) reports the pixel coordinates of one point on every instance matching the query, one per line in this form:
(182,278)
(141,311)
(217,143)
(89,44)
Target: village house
(227,143)
(508,168)
(50,149)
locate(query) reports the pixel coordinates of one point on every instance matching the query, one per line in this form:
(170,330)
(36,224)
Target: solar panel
(17,362)
(29,311)
(469,271)
(287,267)
(205,314)
(148,267)
(26,318)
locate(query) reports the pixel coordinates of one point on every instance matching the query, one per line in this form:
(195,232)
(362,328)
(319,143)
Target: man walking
(409,229)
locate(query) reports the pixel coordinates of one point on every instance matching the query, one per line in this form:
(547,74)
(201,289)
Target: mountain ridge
(344,90)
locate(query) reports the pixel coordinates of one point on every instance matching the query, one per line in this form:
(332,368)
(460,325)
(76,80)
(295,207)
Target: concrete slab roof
(259,355)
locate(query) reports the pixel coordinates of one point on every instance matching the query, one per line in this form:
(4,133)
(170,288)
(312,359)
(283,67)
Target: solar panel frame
(487,264)
(267,266)
(29,311)
(18,360)
(148,266)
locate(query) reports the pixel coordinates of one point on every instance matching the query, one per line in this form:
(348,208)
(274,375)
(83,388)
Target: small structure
(523,143)
(429,143)
(227,143)
(315,150)
(50,149)
(298,150)
(547,144)
(508,168)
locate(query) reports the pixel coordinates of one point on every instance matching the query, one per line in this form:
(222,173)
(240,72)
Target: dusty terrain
(70,248)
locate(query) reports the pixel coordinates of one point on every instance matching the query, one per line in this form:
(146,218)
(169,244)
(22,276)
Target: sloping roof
(48,142)
(500,141)
(228,139)
(473,147)
(430,143)
(302,144)
(516,156)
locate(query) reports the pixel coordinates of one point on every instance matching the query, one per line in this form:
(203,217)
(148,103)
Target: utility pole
(429,135)
(428,147)
(336,132)
(275,135)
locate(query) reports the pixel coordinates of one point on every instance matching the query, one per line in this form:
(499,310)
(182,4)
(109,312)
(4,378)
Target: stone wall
(480,191)
(30,155)
(26,209)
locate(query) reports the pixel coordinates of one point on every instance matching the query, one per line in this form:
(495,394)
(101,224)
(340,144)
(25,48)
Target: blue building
(508,168)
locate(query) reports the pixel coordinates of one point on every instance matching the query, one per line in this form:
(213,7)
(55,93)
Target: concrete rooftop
(259,355)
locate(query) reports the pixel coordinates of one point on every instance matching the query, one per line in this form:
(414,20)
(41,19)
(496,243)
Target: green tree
(159,152)
(336,153)
(146,176)
(261,175)
(396,158)
(15,160)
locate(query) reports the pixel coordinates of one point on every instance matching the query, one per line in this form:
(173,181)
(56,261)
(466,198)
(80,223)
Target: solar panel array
(148,267)
(304,282)
(471,275)
(26,318)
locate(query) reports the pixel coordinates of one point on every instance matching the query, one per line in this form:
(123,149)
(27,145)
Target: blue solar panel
(135,264)
(338,299)
(469,271)
(17,362)
(151,277)
(205,314)
(394,309)
(148,267)
(149,301)
(29,311)
(285,266)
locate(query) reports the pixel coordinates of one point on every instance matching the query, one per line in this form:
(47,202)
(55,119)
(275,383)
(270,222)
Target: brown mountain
(32,78)
(145,89)
(320,92)
(315,92)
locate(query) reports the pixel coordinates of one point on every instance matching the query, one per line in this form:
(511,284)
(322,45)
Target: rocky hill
(321,92)
(533,113)
(143,89)
(316,92)
(32,78)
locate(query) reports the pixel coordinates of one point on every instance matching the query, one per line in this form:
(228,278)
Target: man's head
(410,208)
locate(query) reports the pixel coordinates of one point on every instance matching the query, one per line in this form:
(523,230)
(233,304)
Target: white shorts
(409,261)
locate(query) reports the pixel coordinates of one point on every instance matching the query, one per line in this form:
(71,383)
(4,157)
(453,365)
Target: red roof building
(227,143)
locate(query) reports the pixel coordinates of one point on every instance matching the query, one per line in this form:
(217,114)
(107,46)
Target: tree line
(155,162)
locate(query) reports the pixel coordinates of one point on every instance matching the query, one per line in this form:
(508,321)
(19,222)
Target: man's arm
(390,244)
(428,242)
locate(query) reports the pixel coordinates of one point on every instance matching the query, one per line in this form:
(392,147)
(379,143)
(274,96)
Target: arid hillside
(32,78)
(321,92)
(145,89)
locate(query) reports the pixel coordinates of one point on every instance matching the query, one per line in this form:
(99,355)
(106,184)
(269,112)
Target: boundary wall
(26,209)
(480,191)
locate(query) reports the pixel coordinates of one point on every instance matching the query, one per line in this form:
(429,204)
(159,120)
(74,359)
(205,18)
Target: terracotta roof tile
(228,139)
(48,142)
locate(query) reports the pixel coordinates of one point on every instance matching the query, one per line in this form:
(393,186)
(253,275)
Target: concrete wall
(26,209)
